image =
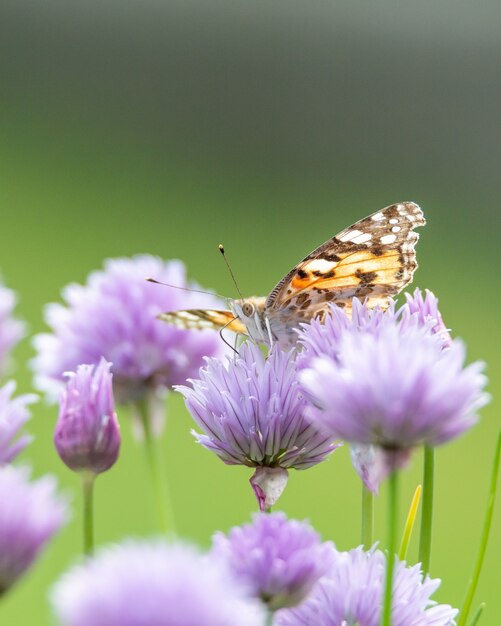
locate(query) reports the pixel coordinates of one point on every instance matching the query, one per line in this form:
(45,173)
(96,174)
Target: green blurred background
(168,127)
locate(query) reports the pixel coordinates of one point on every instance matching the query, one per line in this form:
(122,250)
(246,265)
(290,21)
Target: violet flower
(427,312)
(14,413)
(11,329)
(352,593)
(323,337)
(87,435)
(279,560)
(138,584)
(114,316)
(30,514)
(252,412)
(395,390)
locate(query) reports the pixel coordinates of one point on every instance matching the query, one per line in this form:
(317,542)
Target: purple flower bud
(11,329)
(13,415)
(30,514)
(352,593)
(279,560)
(152,583)
(87,435)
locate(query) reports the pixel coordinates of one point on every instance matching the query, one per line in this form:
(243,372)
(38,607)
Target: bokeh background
(170,126)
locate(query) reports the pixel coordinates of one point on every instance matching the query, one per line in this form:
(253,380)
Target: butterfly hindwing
(374,258)
(201,319)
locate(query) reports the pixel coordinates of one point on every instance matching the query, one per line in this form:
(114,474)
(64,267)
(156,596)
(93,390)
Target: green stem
(427,510)
(392,545)
(472,585)
(367,517)
(269,618)
(165,517)
(88,513)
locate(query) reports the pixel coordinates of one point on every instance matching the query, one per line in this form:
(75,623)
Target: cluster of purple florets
(383,382)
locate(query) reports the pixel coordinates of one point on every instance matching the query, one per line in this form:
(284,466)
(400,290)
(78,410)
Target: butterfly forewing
(372,259)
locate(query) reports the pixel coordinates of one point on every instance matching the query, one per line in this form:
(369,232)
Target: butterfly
(371,260)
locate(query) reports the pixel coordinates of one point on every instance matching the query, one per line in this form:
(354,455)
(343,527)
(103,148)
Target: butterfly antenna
(221,250)
(157,282)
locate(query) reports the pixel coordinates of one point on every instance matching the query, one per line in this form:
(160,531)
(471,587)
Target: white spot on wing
(319,265)
(378,217)
(362,238)
(396,229)
(393,220)
(387,239)
(350,235)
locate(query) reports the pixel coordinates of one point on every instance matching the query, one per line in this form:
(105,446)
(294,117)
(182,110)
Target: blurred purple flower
(352,592)
(30,514)
(252,412)
(279,560)
(87,435)
(114,316)
(11,329)
(395,390)
(14,414)
(139,584)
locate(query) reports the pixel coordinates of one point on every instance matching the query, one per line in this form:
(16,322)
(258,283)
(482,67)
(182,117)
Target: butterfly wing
(202,319)
(374,259)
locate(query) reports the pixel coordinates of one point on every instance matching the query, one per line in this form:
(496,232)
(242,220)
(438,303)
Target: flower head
(14,413)
(323,336)
(279,560)
(30,514)
(427,312)
(87,435)
(133,584)
(114,316)
(395,390)
(352,592)
(252,412)
(11,329)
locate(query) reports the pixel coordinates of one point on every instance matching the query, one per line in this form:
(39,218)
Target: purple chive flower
(252,412)
(395,390)
(352,593)
(323,337)
(114,316)
(14,414)
(427,312)
(11,329)
(30,514)
(87,435)
(138,584)
(279,560)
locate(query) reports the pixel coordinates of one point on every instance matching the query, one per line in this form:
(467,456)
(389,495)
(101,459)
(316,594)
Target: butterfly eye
(247,309)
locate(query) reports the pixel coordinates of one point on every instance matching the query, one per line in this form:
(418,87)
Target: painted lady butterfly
(370,260)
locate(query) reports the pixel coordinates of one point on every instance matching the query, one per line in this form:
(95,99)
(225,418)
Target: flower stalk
(367,517)
(427,510)
(392,544)
(165,518)
(88,513)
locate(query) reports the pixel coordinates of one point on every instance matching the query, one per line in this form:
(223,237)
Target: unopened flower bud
(87,435)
